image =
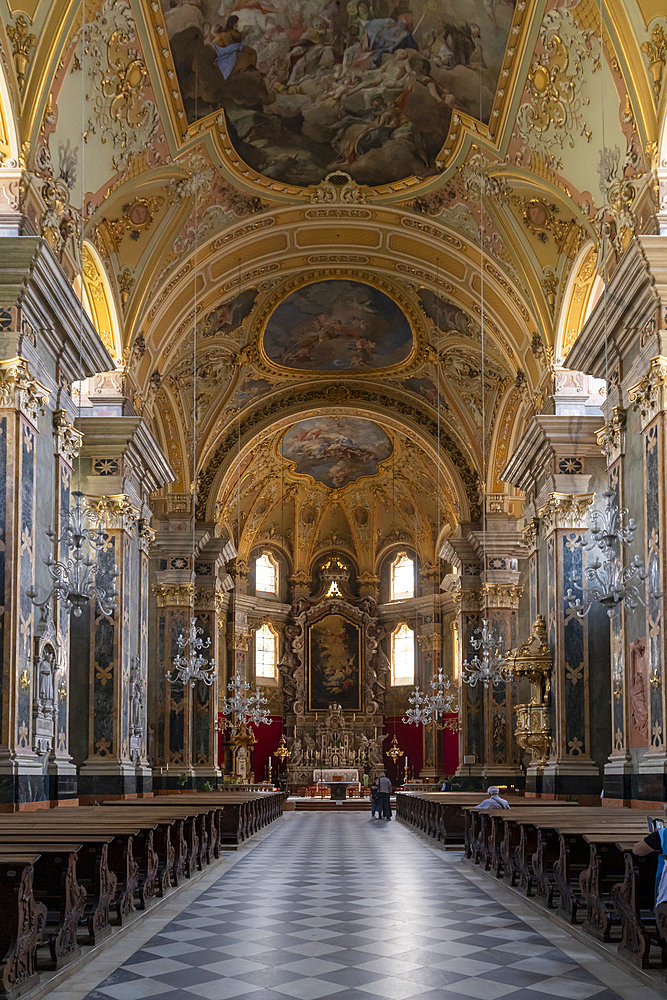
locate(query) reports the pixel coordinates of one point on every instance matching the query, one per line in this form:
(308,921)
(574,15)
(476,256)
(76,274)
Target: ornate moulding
(262,313)
(611,437)
(20,390)
(650,395)
(173,595)
(113,512)
(68,438)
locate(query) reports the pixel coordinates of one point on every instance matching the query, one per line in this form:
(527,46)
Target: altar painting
(310,86)
(334,664)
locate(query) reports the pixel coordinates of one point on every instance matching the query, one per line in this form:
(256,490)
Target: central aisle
(338,905)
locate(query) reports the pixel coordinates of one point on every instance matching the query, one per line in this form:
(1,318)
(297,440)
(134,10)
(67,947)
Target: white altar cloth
(325,774)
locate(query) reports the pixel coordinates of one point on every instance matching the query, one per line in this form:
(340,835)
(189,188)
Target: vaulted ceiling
(385,212)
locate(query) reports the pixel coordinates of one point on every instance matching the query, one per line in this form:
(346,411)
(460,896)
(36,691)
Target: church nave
(339,905)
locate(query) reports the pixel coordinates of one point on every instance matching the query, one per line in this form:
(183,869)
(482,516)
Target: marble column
(649,397)
(23,400)
(570,768)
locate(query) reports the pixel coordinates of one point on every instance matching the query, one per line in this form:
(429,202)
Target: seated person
(656,841)
(446,785)
(494,800)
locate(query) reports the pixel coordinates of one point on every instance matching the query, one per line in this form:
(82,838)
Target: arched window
(402,577)
(266,574)
(402,656)
(266,653)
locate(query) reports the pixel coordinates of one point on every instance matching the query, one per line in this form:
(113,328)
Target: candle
(269,762)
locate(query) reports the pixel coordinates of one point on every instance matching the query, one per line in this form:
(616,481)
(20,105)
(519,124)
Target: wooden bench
(22,923)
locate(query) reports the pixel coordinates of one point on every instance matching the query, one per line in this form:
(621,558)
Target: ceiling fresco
(336,451)
(254,172)
(337,326)
(312,86)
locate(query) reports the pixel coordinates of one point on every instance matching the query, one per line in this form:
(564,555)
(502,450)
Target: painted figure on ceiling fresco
(336,450)
(337,326)
(310,86)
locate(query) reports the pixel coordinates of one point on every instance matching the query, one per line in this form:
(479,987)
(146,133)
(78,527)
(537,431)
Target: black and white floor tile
(342,906)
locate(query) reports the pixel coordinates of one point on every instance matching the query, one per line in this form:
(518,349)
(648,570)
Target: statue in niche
(136,698)
(46,672)
(639,696)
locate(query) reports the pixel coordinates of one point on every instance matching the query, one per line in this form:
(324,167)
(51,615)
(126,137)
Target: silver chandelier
(490,667)
(74,574)
(426,708)
(609,580)
(245,704)
(190,667)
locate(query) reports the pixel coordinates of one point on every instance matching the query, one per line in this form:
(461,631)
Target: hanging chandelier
(74,575)
(609,581)
(426,709)
(190,667)
(245,704)
(490,667)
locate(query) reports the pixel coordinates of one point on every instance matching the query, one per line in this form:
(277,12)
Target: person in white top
(494,800)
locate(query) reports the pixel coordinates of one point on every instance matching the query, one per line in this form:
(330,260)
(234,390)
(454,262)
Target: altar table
(349,775)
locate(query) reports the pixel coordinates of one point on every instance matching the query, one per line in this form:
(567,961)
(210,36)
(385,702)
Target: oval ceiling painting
(336,451)
(337,326)
(313,86)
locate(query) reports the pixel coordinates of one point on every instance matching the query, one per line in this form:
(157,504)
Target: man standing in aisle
(385,792)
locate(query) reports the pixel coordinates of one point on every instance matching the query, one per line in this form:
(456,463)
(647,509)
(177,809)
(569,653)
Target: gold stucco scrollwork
(22,41)
(656,51)
(122,113)
(555,80)
(20,390)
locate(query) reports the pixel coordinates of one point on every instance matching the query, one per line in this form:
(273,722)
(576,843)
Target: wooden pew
(22,922)
(55,888)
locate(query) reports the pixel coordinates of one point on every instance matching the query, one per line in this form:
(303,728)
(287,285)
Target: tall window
(266,653)
(403,656)
(266,574)
(402,577)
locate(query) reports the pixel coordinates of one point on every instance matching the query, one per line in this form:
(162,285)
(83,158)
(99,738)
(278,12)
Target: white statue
(46,669)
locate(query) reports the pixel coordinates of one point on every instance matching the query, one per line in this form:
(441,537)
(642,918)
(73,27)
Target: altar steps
(327,805)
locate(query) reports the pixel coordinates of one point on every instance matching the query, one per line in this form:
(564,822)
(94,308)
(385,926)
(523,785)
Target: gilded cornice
(649,396)
(566,510)
(20,390)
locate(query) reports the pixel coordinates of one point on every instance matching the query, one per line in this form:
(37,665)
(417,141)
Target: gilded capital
(19,390)
(68,439)
(566,510)
(467,600)
(177,595)
(113,512)
(650,395)
(499,596)
(611,437)
(146,536)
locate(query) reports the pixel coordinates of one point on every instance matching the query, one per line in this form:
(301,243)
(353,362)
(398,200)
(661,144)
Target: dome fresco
(336,451)
(337,326)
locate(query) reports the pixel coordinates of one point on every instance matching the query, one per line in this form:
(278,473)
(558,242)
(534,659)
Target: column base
(617,781)
(471,777)
(100,778)
(22,778)
(569,777)
(62,778)
(509,775)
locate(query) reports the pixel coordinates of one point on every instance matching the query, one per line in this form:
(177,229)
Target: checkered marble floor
(342,906)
